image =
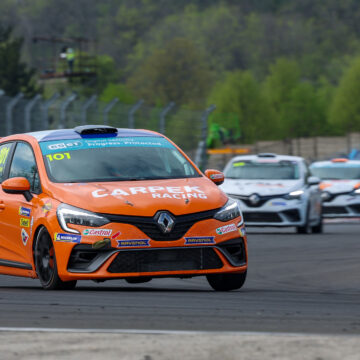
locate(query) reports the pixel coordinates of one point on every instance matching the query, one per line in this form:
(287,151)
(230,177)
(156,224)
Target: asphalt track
(296,283)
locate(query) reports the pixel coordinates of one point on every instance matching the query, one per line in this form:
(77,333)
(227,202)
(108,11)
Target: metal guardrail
(187,128)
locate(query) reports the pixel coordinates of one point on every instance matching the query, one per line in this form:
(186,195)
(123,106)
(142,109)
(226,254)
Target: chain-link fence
(187,128)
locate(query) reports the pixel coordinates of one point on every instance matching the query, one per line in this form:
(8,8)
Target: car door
(16,211)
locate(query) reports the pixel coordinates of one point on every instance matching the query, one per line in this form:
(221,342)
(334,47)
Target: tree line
(274,68)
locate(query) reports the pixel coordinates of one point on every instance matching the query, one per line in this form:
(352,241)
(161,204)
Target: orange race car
(100,203)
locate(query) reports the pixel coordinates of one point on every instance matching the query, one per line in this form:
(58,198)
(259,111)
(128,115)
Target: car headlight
(68,214)
(325,195)
(295,194)
(357,191)
(229,211)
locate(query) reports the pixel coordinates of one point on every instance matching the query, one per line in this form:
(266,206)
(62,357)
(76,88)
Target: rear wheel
(226,282)
(45,263)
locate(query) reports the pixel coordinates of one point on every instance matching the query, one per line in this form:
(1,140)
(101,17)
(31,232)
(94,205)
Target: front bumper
(277,212)
(176,258)
(85,259)
(342,206)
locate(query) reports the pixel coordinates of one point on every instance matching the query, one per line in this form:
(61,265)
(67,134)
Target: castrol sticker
(97,232)
(226,229)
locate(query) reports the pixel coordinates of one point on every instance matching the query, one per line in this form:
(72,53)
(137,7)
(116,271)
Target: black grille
(261,217)
(149,226)
(165,260)
(262,199)
(334,210)
(234,251)
(355,208)
(292,215)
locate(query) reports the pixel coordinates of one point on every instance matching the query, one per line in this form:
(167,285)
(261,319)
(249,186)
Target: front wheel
(226,282)
(318,229)
(306,228)
(45,263)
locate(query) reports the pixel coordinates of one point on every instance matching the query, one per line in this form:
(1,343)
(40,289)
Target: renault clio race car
(340,187)
(275,190)
(103,203)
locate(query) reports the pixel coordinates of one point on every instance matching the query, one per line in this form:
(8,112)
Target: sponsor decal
(50,147)
(24,211)
(199,240)
(31,225)
(59,146)
(242,231)
(24,236)
(156,192)
(97,232)
(237,164)
(133,243)
(46,207)
(24,222)
(68,238)
(4,154)
(278,203)
(116,235)
(226,229)
(59,156)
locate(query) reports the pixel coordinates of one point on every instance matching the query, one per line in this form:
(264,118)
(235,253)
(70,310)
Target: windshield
(279,170)
(337,172)
(114,159)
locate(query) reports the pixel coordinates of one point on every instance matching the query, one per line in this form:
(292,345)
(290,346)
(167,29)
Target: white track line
(165,332)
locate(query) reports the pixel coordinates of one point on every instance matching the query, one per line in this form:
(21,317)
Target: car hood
(260,187)
(338,186)
(142,198)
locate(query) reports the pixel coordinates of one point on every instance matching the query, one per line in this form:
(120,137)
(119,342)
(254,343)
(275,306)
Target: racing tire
(318,229)
(45,263)
(226,282)
(306,229)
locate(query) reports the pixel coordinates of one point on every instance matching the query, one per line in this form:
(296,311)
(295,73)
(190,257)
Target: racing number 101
(59,156)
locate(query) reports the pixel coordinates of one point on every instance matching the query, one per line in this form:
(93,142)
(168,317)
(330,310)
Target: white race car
(340,187)
(275,190)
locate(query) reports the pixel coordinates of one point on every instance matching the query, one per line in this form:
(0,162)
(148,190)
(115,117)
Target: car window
(4,156)
(264,170)
(115,159)
(24,165)
(337,171)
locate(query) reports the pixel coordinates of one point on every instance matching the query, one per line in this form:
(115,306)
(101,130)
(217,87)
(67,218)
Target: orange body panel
(20,218)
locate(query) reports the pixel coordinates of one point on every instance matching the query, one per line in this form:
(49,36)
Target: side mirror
(313,180)
(217,177)
(17,185)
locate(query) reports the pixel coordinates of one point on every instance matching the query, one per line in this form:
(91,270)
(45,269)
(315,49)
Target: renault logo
(254,199)
(165,222)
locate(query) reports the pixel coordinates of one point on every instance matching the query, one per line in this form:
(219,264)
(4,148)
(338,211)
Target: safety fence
(311,148)
(187,128)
